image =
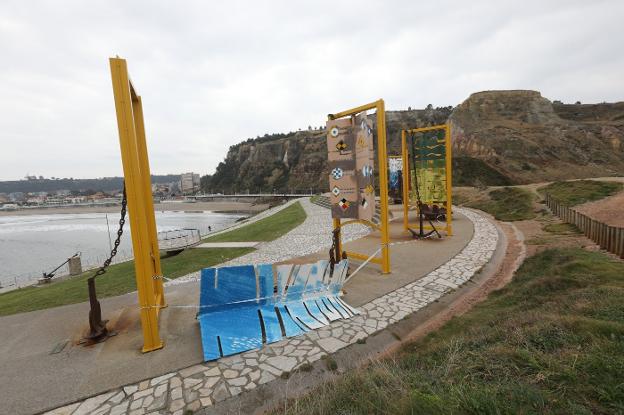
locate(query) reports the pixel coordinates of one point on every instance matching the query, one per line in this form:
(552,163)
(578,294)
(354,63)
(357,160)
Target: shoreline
(216,207)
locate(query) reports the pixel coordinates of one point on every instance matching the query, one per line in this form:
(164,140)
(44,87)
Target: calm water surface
(30,245)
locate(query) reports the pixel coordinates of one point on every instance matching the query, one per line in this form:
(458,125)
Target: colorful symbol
(336,191)
(364,203)
(367,170)
(334,131)
(337,173)
(344,204)
(369,189)
(341,145)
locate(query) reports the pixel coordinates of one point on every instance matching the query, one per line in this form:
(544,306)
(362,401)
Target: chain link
(122,221)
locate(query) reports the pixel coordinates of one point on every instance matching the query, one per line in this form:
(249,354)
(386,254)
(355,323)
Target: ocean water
(31,245)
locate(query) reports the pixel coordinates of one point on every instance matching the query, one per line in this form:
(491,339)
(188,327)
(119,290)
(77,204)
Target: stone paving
(309,237)
(204,384)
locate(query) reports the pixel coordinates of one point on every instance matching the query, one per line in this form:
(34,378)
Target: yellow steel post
(134,171)
(405,174)
(382,155)
(449,181)
(137,110)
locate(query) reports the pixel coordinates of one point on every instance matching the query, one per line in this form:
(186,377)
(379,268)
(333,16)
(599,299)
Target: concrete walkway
(31,375)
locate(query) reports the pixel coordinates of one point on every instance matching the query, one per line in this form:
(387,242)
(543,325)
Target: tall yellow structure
(136,168)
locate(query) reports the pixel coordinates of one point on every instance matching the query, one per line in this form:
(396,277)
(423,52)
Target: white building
(189,183)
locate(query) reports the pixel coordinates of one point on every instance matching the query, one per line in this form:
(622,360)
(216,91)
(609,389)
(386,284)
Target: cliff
(499,138)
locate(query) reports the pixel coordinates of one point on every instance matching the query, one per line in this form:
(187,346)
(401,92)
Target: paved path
(203,384)
(309,237)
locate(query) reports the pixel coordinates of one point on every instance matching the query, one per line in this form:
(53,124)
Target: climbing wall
(350,153)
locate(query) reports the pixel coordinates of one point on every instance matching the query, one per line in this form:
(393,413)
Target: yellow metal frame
(449,176)
(140,204)
(382,156)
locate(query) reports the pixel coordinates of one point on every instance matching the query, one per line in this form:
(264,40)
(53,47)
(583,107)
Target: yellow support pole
(382,155)
(137,110)
(449,181)
(405,173)
(136,169)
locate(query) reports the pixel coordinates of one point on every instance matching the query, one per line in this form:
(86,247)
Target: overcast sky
(212,74)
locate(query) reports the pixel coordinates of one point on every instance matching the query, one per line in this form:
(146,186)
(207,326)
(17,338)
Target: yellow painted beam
(363,257)
(140,208)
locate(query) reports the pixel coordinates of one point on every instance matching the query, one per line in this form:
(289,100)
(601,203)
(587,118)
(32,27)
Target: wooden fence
(610,238)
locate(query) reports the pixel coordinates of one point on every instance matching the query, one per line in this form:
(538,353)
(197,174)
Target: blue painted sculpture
(243,307)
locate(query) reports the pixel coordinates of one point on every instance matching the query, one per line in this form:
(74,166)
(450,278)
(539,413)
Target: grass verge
(552,341)
(581,191)
(508,204)
(266,229)
(119,279)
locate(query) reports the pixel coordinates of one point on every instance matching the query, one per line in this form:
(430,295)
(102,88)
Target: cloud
(212,74)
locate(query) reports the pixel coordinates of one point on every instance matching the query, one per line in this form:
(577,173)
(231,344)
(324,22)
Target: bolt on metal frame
(137,179)
(448,173)
(382,156)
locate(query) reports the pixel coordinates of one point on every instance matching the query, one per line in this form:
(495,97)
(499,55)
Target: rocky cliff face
(527,139)
(499,137)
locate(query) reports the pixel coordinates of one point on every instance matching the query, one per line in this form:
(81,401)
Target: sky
(212,74)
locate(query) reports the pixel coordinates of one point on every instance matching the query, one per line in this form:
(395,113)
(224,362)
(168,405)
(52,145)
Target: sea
(33,244)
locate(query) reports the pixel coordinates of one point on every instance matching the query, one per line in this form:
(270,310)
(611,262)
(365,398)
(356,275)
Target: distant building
(189,183)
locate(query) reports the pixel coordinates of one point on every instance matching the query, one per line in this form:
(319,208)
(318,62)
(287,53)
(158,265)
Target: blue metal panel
(296,289)
(265,282)
(329,311)
(283,274)
(339,307)
(291,326)
(300,313)
(347,306)
(272,327)
(313,309)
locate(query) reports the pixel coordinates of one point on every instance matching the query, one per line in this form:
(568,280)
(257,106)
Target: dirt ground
(609,210)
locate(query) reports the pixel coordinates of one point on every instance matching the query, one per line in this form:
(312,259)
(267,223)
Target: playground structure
(382,155)
(427,178)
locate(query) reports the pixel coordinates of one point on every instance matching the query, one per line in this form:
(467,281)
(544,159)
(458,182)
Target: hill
(499,138)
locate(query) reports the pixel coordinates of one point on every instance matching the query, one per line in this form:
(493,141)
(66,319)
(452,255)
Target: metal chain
(122,221)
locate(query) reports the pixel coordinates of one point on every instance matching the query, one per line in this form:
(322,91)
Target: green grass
(119,279)
(266,229)
(551,341)
(561,229)
(508,204)
(581,191)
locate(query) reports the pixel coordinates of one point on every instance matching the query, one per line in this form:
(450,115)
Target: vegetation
(552,341)
(119,279)
(508,204)
(470,171)
(266,229)
(581,191)
(561,228)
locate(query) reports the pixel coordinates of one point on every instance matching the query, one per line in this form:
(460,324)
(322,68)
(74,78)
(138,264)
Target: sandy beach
(230,207)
